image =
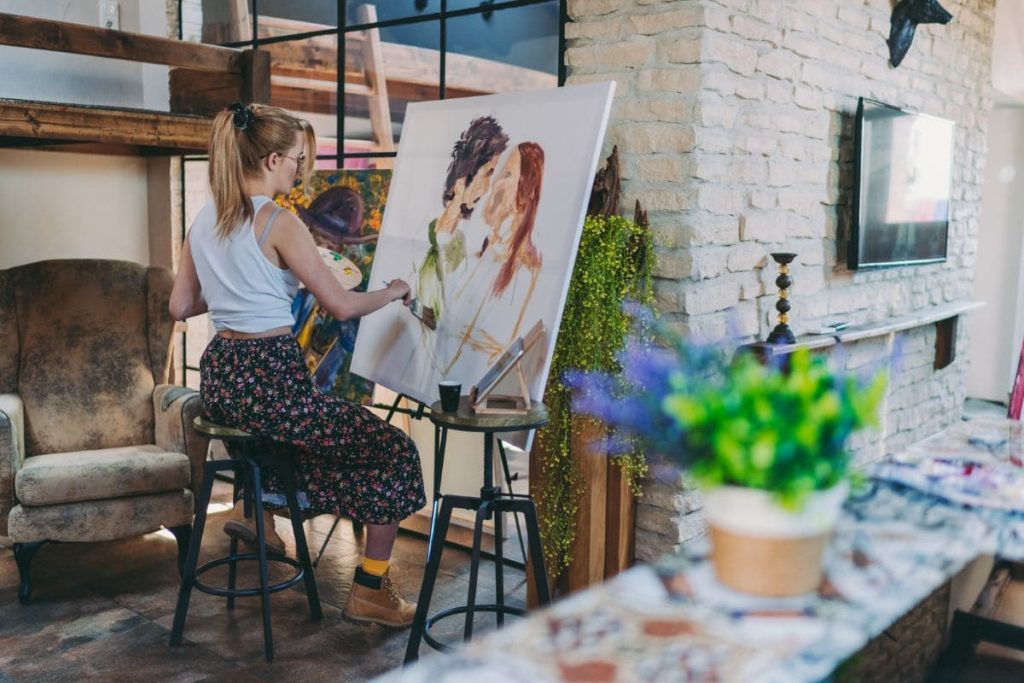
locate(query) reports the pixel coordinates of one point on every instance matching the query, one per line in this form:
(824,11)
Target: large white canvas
(474,322)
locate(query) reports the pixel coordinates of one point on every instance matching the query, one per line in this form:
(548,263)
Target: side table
(491,500)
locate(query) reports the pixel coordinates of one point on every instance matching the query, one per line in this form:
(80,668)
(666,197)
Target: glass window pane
(507,50)
(327,162)
(197,336)
(382,76)
(218,22)
(304,80)
(197,188)
(199,330)
(483,5)
(284,17)
(363,163)
(386,10)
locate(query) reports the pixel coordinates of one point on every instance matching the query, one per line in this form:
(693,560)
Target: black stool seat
(246,461)
(491,501)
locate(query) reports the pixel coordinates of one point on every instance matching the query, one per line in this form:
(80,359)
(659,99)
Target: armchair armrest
(174,408)
(12,451)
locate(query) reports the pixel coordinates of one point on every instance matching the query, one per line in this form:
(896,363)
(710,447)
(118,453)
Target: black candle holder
(782,334)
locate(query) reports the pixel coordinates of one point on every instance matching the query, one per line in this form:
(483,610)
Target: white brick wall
(734,119)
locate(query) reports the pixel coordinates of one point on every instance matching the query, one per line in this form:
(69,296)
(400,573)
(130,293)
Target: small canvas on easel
(343,211)
(481,396)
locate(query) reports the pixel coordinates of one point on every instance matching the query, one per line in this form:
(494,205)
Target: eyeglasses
(300,160)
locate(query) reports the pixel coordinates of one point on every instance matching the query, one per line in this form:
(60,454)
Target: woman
(242,261)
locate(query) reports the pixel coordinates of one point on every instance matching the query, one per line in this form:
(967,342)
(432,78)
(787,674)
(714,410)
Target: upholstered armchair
(94,445)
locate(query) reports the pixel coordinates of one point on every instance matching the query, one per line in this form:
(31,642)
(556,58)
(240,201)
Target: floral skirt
(349,461)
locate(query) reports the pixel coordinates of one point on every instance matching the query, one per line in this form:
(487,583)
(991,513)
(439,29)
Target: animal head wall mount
(906,15)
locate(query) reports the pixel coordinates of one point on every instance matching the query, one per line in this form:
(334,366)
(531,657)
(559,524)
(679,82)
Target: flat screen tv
(903,173)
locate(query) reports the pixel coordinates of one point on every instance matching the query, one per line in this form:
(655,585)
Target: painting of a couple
(483,220)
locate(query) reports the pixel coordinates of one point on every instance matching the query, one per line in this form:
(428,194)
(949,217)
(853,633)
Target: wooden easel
(481,398)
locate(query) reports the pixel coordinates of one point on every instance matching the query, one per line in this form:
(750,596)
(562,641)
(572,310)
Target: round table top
(466,420)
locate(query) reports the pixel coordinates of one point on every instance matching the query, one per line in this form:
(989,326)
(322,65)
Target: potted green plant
(766,445)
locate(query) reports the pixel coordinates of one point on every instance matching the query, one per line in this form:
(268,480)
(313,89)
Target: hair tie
(243,117)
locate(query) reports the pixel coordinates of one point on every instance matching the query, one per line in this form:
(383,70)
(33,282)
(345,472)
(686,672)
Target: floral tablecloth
(975,466)
(673,621)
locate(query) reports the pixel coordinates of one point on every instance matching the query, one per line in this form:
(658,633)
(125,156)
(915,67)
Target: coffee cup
(450,391)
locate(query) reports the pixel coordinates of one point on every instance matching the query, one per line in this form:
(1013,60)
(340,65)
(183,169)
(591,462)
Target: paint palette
(347,272)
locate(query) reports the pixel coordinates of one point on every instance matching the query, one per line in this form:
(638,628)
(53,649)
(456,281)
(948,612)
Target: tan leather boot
(375,600)
(244,529)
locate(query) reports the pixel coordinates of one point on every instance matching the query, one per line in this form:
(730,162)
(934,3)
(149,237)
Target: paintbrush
(425,314)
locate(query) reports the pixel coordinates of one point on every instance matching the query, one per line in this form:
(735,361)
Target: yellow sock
(375,567)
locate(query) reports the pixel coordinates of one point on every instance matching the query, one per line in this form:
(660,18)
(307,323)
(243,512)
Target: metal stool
(245,463)
(491,501)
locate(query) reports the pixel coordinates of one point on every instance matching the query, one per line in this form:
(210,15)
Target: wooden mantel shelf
(944,316)
(84,128)
(926,316)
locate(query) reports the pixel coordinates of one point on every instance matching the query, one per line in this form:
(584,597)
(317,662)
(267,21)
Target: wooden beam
(376,79)
(59,36)
(206,93)
(61,123)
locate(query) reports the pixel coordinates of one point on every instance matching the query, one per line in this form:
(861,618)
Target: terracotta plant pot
(762,548)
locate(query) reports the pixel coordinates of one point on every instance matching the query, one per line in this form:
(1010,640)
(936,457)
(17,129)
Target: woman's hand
(297,251)
(399,289)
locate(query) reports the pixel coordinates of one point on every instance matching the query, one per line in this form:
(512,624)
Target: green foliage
(756,426)
(613,265)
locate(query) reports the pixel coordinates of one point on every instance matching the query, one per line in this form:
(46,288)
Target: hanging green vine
(613,265)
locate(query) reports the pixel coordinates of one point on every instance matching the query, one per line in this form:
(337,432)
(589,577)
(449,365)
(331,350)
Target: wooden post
(255,86)
(588,550)
(620,530)
(226,21)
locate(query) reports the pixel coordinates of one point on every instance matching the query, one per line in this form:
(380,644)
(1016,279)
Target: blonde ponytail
(241,136)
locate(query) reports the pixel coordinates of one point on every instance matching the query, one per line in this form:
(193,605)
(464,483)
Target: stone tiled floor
(103,611)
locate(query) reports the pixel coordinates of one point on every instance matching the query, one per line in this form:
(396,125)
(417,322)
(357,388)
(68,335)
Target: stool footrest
(246,592)
(452,611)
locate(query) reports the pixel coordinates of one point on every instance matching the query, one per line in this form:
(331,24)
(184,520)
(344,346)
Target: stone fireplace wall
(734,121)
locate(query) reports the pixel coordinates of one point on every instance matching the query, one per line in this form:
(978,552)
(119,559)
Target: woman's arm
(186,295)
(293,243)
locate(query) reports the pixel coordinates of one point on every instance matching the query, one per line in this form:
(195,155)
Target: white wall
(57,205)
(993,359)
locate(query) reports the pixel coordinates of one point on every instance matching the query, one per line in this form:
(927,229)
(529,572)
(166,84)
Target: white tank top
(243,290)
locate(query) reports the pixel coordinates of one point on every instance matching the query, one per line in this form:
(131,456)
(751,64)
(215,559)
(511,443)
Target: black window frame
(442,16)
